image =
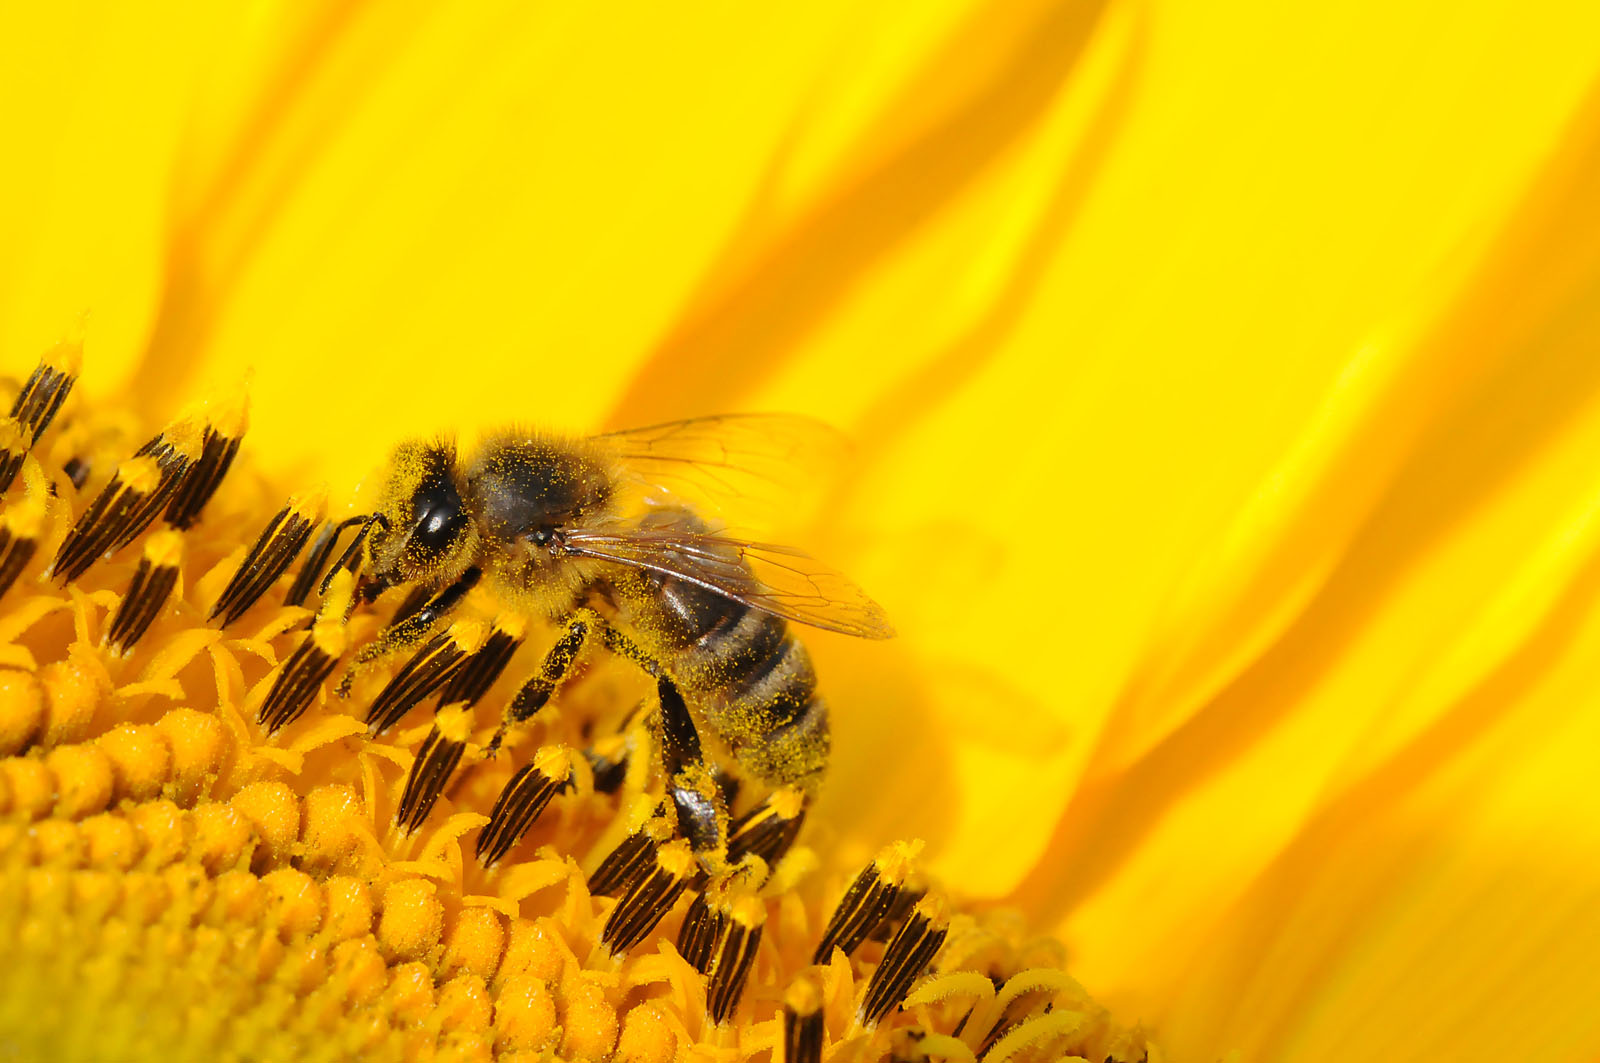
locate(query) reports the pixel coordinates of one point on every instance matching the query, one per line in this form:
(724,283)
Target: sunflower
(1223,383)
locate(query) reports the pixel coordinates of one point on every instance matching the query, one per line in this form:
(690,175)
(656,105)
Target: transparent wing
(761,466)
(775,579)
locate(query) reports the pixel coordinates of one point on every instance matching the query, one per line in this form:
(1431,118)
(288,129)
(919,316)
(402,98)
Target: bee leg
(624,647)
(323,545)
(658,869)
(693,787)
(535,693)
(354,554)
(410,631)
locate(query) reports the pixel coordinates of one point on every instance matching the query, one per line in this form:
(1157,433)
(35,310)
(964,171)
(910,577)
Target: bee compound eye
(543,536)
(437,517)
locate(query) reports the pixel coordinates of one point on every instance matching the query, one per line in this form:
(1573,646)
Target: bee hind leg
(694,788)
(661,866)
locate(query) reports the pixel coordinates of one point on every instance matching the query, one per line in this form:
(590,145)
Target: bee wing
(775,579)
(761,465)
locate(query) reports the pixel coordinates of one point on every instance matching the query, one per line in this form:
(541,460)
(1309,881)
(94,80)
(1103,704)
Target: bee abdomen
(794,752)
(767,709)
(751,682)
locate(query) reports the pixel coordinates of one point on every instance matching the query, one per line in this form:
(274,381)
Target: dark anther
(520,803)
(427,670)
(175,452)
(152,584)
(907,956)
(609,771)
(436,761)
(650,897)
(632,856)
(19,541)
(899,907)
(721,932)
(869,901)
(36,405)
(802,1021)
(769,829)
(126,505)
(217,452)
(702,926)
(306,669)
(477,673)
(322,548)
(77,471)
(274,551)
(733,955)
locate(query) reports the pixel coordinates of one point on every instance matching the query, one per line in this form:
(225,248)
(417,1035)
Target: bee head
(427,535)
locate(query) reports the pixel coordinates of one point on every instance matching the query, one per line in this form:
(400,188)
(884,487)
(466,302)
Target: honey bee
(594,535)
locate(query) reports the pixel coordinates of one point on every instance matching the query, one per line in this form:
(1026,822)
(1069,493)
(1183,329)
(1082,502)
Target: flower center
(215,841)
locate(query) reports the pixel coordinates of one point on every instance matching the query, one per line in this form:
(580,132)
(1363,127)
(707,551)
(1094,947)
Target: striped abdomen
(744,676)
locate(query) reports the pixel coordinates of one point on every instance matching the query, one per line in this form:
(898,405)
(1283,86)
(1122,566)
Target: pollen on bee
(522,800)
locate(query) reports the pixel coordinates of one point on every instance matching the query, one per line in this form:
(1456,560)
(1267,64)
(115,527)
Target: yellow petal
(98,95)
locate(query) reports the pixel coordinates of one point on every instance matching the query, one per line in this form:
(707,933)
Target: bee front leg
(410,631)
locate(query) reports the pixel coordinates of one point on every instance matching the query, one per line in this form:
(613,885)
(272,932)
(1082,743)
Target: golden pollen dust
(228,829)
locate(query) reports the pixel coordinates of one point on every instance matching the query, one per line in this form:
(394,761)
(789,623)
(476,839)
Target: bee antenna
(351,558)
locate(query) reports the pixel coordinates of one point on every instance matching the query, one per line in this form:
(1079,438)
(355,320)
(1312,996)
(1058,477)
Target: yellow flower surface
(1224,383)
